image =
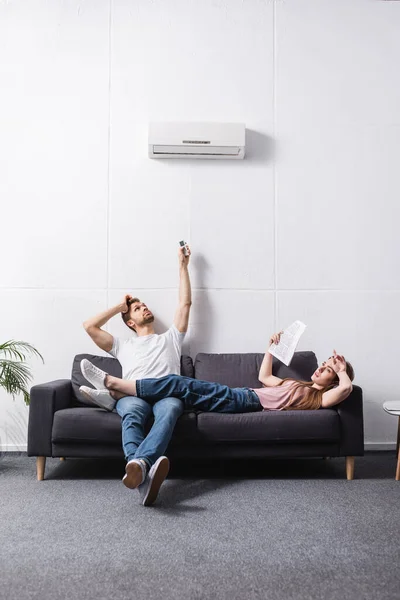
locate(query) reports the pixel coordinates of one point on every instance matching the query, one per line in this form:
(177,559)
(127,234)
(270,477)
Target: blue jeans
(199,395)
(134,413)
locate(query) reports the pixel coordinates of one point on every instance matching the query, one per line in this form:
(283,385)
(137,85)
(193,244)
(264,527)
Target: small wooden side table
(393,408)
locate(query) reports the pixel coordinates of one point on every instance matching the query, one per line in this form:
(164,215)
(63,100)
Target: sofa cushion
(84,425)
(270,426)
(113,367)
(87,425)
(237,370)
(187,368)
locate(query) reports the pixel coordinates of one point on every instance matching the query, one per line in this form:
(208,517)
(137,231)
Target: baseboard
(13,448)
(379,446)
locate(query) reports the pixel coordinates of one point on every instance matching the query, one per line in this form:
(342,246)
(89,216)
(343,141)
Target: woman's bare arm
(345,387)
(335,396)
(265,373)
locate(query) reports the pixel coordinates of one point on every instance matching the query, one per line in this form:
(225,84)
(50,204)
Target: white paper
(289,339)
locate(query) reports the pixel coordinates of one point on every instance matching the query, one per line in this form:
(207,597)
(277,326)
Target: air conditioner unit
(197,140)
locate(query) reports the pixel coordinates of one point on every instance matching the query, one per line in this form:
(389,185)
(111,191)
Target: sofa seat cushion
(96,426)
(270,426)
(86,425)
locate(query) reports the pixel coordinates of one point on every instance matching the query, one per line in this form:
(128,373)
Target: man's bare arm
(101,338)
(181,320)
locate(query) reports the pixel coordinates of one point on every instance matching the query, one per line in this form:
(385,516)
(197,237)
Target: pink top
(276,398)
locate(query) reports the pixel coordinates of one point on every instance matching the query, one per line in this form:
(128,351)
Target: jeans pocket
(253,400)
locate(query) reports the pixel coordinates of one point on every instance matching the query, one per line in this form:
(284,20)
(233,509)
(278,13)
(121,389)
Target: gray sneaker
(150,487)
(99,397)
(93,374)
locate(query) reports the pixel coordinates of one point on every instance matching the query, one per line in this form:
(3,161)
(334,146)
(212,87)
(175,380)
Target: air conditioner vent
(197,140)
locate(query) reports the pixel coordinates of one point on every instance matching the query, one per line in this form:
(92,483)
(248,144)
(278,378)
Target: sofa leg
(398,465)
(349,467)
(62,458)
(40,465)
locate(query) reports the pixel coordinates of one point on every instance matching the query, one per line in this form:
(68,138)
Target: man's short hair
(126,316)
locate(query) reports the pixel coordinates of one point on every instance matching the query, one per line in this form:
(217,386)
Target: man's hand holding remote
(184,255)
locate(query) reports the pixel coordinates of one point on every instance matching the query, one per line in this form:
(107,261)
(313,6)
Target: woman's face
(324,375)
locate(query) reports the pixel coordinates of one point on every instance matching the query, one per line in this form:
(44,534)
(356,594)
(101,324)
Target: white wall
(303,228)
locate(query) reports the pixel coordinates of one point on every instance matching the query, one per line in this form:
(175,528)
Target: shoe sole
(90,379)
(157,480)
(133,476)
(110,407)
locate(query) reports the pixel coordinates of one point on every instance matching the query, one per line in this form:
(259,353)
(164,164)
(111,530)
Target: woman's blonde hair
(312,398)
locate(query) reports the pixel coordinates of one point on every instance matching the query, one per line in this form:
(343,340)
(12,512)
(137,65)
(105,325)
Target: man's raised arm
(101,338)
(181,320)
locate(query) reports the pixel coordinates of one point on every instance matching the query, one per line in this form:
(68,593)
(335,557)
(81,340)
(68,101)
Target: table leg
(398,452)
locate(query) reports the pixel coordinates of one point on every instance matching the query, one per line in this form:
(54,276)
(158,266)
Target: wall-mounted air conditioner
(197,140)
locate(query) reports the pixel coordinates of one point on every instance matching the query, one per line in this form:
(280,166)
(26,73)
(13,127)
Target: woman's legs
(196,394)
(123,387)
(200,395)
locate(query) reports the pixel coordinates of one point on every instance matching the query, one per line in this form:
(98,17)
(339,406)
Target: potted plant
(15,374)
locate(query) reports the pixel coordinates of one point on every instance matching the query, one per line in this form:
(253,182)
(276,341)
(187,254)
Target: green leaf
(14,349)
(15,375)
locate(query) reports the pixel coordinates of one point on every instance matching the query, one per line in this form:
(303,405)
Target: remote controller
(184,245)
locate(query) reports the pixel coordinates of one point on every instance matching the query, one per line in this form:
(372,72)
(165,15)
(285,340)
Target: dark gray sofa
(62,424)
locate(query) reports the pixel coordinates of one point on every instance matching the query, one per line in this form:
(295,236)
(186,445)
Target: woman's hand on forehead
(333,360)
(329,362)
(337,362)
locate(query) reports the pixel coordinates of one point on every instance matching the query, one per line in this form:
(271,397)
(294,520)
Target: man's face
(140,314)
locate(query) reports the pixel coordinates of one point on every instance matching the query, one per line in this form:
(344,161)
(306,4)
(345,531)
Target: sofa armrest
(350,412)
(46,399)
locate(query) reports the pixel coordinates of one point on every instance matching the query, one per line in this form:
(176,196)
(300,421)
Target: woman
(330,384)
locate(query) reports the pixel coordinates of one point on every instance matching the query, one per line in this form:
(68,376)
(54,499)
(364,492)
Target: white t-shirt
(149,355)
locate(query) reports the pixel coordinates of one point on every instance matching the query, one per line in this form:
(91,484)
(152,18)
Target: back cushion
(113,367)
(241,370)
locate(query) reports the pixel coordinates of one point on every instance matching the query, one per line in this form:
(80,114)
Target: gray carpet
(278,529)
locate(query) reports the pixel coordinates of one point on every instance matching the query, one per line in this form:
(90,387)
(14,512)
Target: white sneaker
(100,397)
(94,375)
(135,473)
(150,487)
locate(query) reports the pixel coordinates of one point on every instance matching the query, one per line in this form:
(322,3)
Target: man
(146,354)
